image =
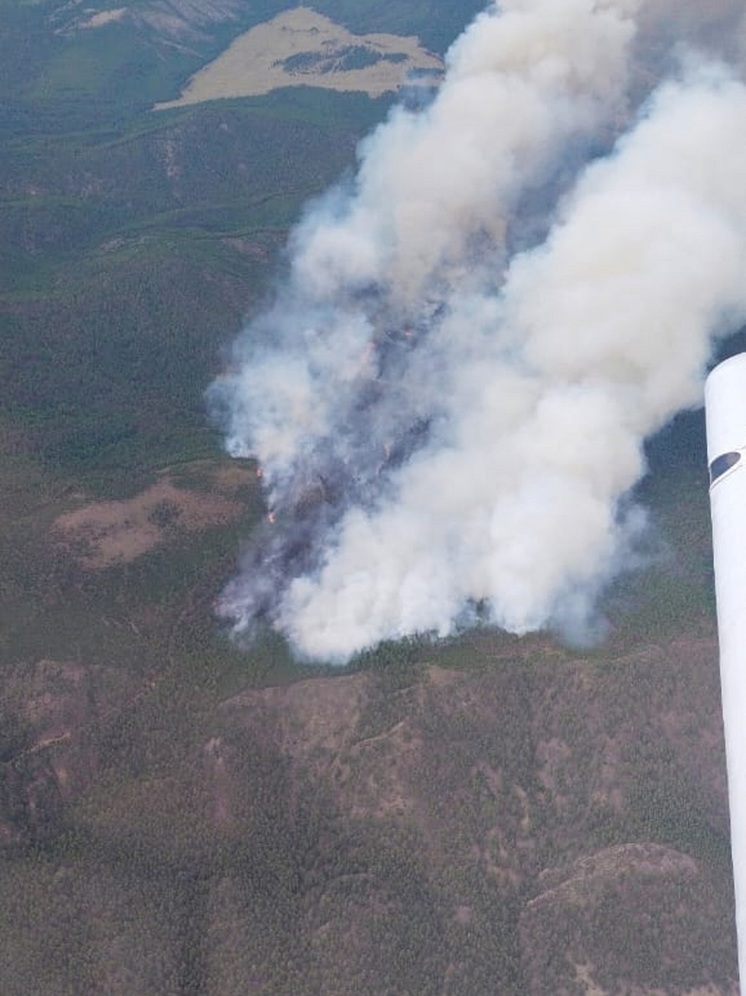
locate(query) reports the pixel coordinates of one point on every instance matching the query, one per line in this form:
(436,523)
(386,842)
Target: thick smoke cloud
(449,396)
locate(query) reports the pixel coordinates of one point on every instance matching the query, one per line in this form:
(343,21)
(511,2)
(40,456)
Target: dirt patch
(110,532)
(302,48)
(441,676)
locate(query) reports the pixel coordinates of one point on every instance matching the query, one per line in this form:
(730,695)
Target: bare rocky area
(179,22)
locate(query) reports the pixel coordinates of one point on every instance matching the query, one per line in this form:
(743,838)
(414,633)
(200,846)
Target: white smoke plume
(449,397)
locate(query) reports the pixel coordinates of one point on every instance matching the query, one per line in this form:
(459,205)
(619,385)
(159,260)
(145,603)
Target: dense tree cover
(213,854)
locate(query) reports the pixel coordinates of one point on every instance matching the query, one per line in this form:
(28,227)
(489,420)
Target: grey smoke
(449,396)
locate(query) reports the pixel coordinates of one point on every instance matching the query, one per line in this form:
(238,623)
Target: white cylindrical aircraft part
(725,410)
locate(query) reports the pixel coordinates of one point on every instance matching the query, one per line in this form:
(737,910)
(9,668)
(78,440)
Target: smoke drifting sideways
(449,394)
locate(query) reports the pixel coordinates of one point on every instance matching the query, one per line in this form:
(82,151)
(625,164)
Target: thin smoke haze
(450,393)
